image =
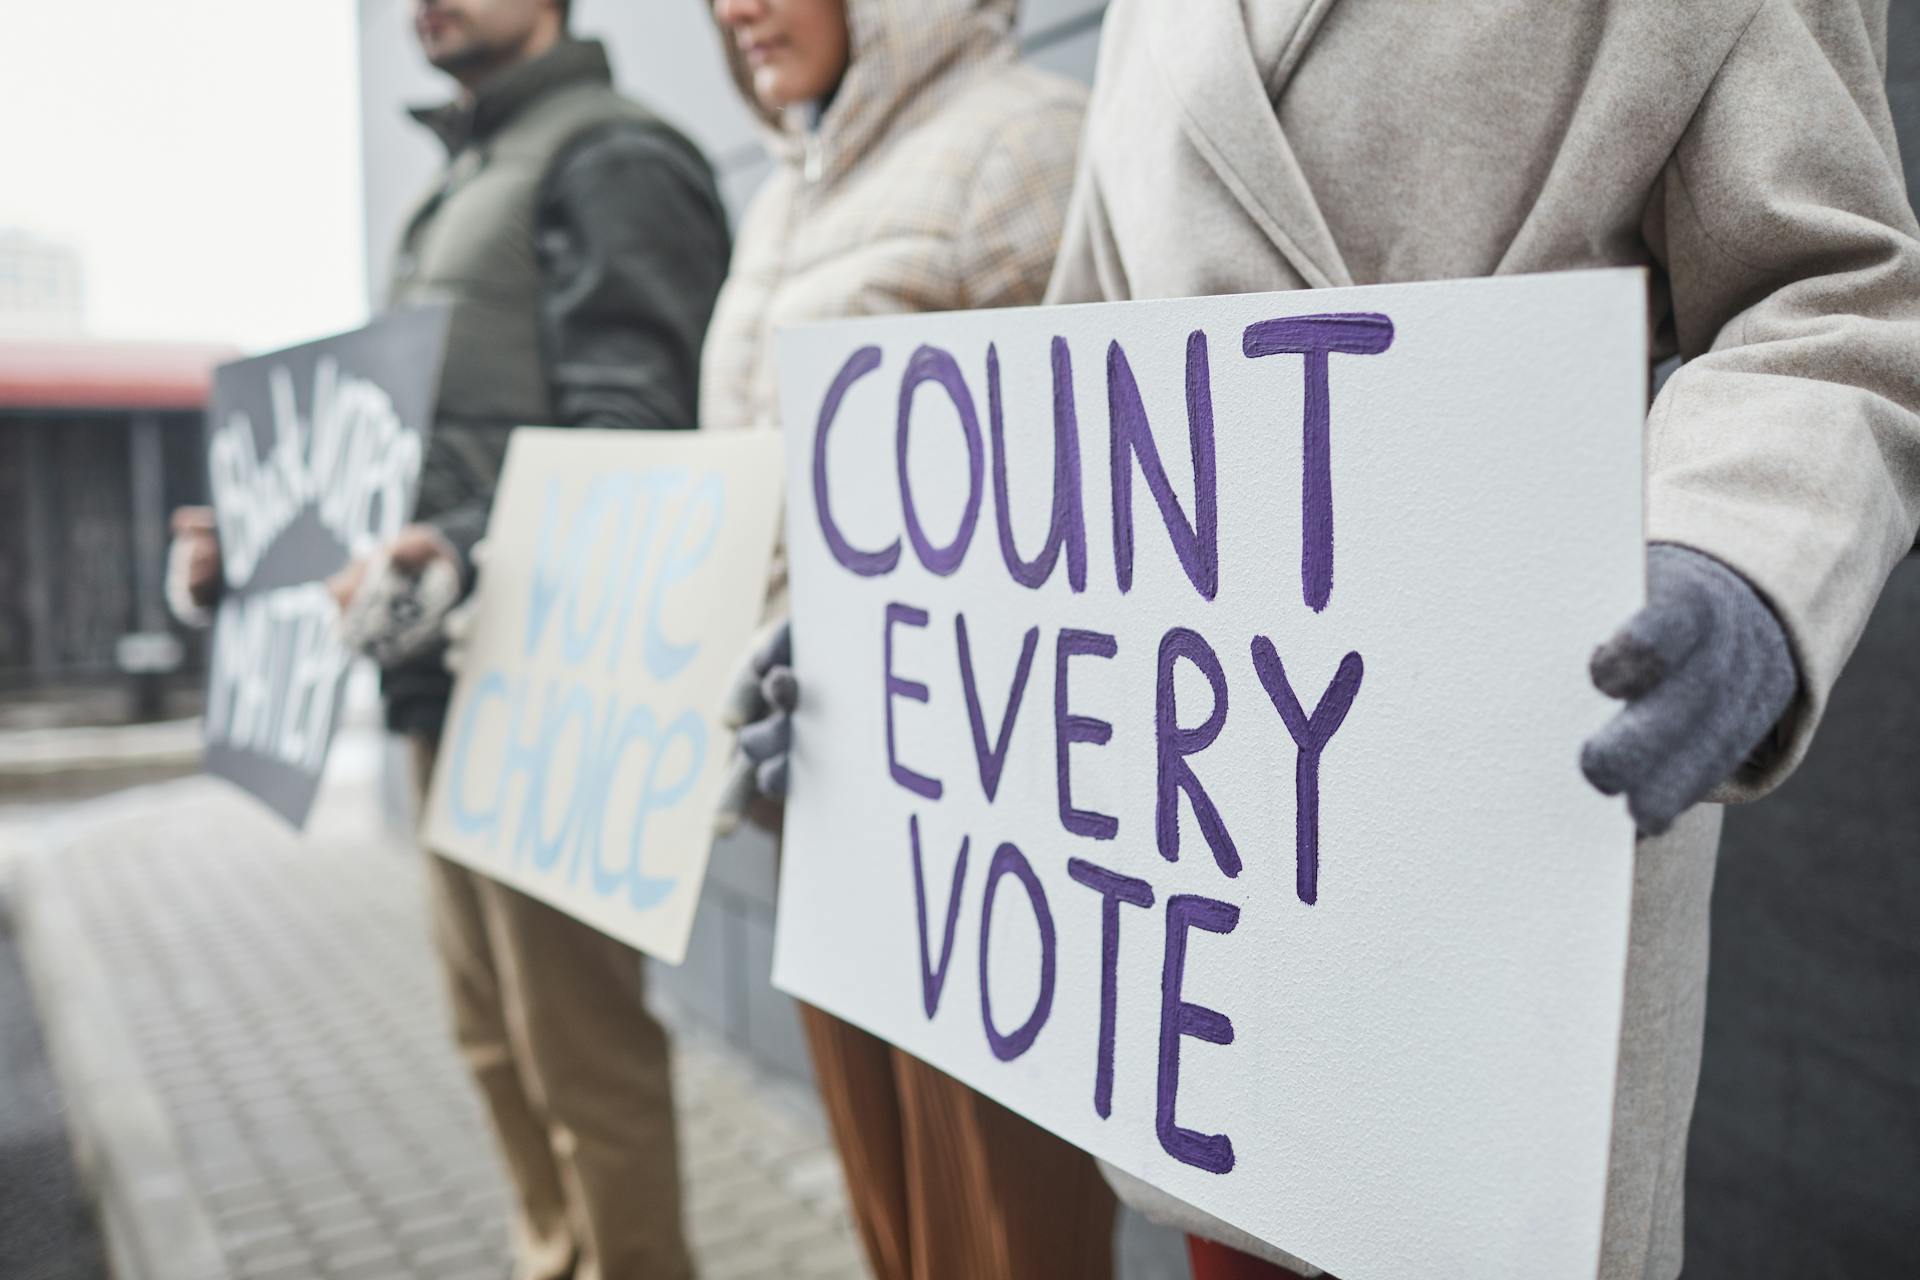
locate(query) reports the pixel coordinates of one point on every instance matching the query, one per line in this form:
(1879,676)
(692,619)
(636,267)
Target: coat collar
(1227,109)
(906,57)
(475,118)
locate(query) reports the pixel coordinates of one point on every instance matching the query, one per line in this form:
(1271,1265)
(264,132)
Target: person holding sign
(1742,152)
(921,170)
(579,242)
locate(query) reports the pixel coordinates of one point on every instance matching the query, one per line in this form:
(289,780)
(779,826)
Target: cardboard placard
(1192,694)
(313,457)
(625,576)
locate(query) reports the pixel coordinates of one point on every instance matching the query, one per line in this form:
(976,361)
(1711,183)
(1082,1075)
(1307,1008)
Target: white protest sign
(625,576)
(1187,752)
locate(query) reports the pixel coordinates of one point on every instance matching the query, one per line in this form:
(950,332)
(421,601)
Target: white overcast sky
(202,155)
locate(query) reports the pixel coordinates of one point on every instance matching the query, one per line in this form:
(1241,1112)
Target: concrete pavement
(250,1030)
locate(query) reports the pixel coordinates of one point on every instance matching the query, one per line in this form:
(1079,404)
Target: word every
(1176,739)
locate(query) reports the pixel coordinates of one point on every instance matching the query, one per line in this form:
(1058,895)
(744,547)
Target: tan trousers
(549,1015)
(947,1184)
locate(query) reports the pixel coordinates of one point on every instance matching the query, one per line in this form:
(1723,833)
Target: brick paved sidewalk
(251,1032)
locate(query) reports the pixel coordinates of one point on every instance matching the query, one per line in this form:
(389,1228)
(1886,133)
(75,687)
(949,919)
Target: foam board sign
(1192,694)
(313,457)
(625,576)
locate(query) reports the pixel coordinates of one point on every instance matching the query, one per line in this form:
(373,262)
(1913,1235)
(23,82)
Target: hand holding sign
(759,710)
(393,604)
(193,565)
(1705,672)
(410,552)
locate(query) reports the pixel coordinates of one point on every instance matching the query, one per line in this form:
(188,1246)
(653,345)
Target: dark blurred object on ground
(46,1228)
(1805,1154)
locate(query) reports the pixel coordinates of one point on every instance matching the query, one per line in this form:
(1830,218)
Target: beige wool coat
(1741,151)
(935,180)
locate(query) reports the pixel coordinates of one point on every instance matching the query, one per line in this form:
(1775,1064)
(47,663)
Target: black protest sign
(313,456)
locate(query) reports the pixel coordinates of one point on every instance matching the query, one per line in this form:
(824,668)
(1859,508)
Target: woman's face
(795,50)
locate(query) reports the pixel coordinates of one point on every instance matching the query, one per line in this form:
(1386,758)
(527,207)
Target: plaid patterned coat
(936,180)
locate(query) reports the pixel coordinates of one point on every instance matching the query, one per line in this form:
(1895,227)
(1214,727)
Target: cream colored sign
(583,755)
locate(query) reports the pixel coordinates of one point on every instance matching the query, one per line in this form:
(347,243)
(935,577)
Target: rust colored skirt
(947,1184)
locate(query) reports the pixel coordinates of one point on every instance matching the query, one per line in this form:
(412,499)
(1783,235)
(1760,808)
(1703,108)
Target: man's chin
(454,59)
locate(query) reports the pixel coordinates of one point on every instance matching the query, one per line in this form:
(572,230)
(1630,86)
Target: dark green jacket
(580,242)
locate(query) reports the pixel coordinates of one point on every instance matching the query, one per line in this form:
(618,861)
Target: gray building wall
(667,53)
(1903,86)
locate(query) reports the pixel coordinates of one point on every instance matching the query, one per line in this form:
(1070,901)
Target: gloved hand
(760,706)
(1705,672)
(193,566)
(393,604)
(458,626)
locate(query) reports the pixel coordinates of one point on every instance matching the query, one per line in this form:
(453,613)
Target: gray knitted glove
(760,703)
(1706,674)
(396,614)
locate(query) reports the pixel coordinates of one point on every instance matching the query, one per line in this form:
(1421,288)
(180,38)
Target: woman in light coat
(934,178)
(920,168)
(1741,151)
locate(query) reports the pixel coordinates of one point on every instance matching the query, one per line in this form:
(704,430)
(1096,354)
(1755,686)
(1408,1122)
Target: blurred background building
(99,440)
(41,289)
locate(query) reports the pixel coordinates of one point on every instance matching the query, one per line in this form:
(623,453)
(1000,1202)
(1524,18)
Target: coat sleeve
(632,245)
(1788,444)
